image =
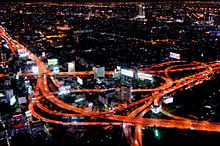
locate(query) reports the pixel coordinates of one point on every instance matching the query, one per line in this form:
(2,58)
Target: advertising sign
(168,100)
(12,100)
(127,72)
(64,90)
(80,81)
(144,76)
(52,61)
(71,67)
(174,55)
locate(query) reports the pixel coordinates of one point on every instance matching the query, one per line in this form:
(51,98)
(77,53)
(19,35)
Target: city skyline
(96,73)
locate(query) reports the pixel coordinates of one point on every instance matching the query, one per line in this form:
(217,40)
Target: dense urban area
(109,73)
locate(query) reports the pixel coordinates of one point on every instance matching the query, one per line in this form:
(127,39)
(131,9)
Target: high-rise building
(99,72)
(3,57)
(7,82)
(210,18)
(9,94)
(141,11)
(125,93)
(217,20)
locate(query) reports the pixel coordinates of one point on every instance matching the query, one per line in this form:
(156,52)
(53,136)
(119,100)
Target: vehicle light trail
(135,118)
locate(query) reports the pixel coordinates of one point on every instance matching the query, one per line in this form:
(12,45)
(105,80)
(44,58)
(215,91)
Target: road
(140,107)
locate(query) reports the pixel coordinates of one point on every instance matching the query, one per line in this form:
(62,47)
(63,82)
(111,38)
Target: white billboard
(127,72)
(52,61)
(168,100)
(118,68)
(21,51)
(12,100)
(71,67)
(35,69)
(156,108)
(80,98)
(28,113)
(144,76)
(6,46)
(24,54)
(80,81)
(56,70)
(29,89)
(43,54)
(174,55)
(30,62)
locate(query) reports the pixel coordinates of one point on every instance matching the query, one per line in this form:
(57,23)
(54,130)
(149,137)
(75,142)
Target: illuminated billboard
(20,51)
(28,113)
(127,72)
(64,90)
(6,46)
(23,52)
(156,108)
(118,68)
(174,55)
(56,70)
(35,69)
(168,100)
(52,61)
(43,54)
(71,67)
(12,100)
(80,81)
(144,76)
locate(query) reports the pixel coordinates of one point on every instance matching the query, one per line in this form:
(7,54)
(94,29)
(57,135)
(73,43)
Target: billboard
(174,55)
(56,70)
(80,98)
(80,81)
(24,54)
(52,61)
(29,89)
(21,51)
(28,113)
(127,72)
(43,54)
(144,76)
(71,67)
(64,90)
(6,46)
(35,69)
(168,100)
(118,68)
(12,100)
(31,62)
(156,108)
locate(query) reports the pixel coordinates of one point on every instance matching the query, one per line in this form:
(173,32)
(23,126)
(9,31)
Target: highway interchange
(204,71)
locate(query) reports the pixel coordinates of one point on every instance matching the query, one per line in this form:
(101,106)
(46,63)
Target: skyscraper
(125,93)
(141,11)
